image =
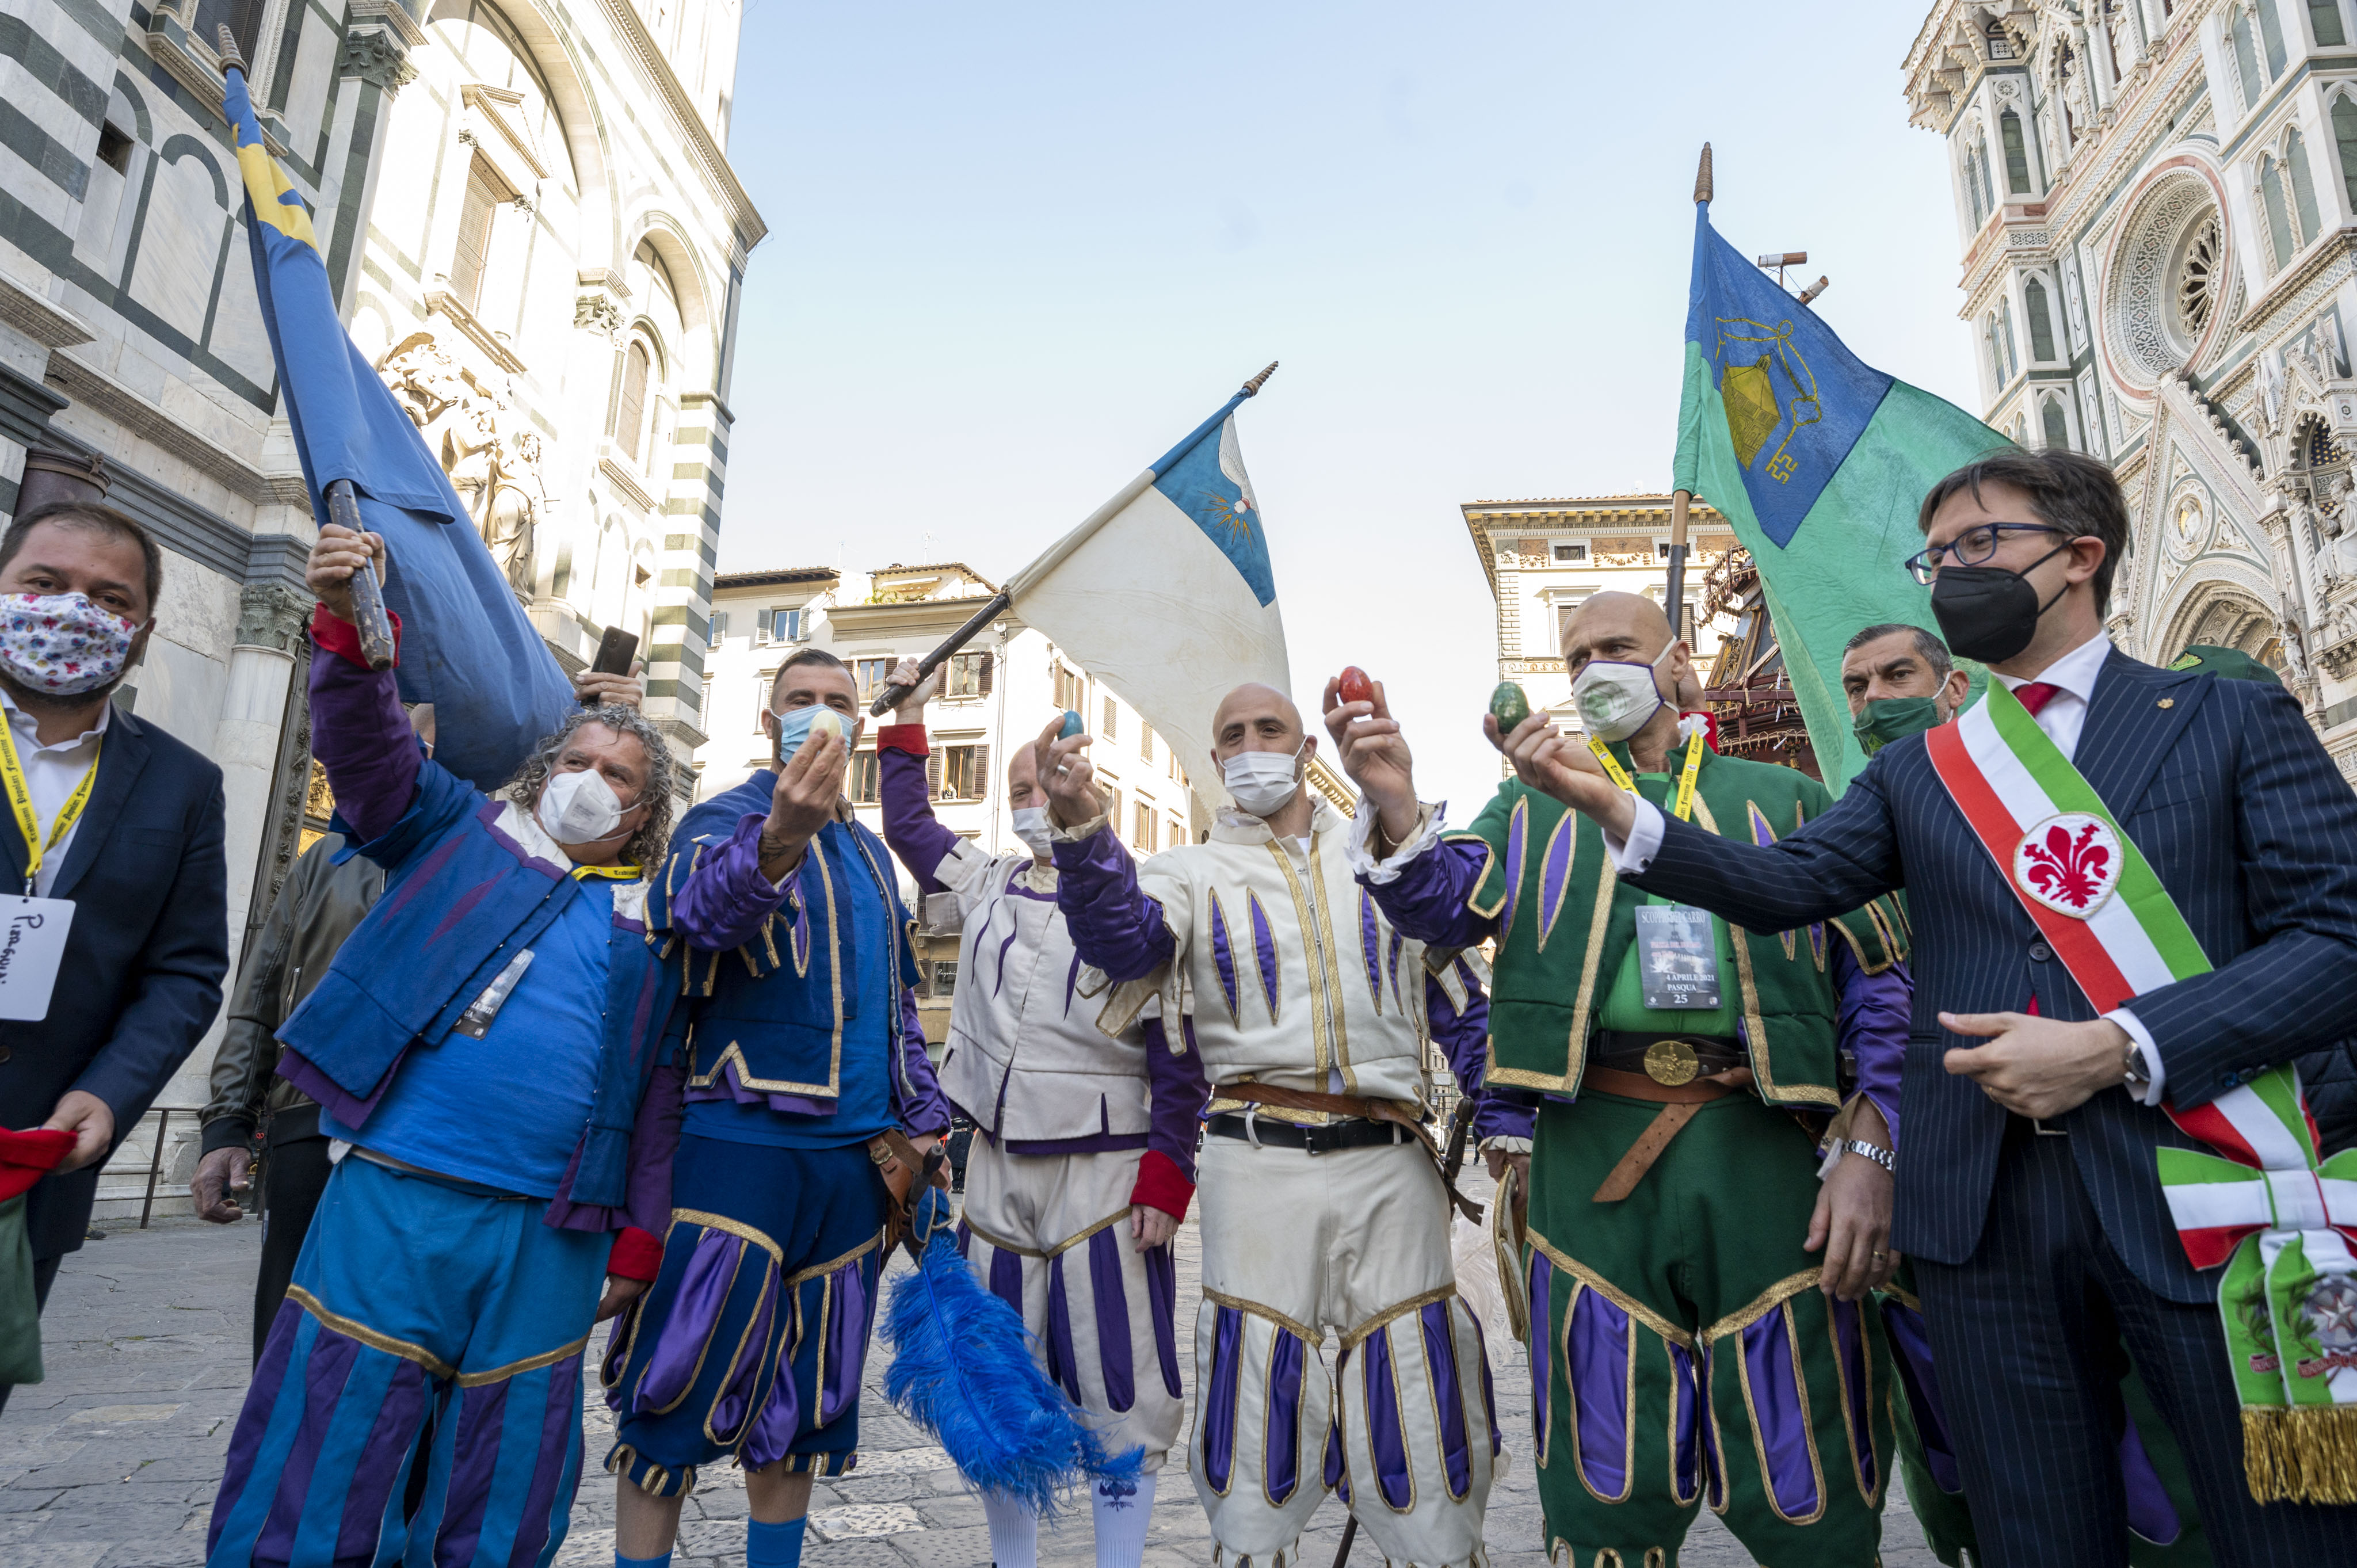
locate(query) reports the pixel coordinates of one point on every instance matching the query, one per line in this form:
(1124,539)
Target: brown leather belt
(1359,1106)
(1679,1102)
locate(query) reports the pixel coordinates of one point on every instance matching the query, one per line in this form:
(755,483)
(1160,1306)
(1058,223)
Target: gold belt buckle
(1671,1063)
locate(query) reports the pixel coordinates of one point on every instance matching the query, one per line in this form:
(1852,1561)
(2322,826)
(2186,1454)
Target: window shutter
(631,414)
(474,247)
(984,690)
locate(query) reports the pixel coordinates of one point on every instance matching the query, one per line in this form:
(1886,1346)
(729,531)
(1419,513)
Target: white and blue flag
(1165,593)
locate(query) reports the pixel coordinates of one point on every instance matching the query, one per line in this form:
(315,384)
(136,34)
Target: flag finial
(1251,387)
(226,46)
(1702,177)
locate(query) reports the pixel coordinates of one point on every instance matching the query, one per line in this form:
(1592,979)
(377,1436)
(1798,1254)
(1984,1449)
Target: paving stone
(112,1463)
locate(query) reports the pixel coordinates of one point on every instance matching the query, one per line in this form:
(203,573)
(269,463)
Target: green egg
(1509,706)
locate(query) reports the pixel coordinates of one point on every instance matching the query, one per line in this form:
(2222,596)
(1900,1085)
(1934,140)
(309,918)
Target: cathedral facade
(529,213)
(2156,204)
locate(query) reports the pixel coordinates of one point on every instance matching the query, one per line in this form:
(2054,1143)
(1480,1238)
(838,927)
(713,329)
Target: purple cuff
(917,1103)
(914,833)
(726,900)
(1175,1119)
(1464,1039)
(1875,1011)
(1431,900)
(362,739)
(1114,926)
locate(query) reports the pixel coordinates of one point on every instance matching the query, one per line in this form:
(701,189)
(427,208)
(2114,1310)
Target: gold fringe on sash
(2306,1454)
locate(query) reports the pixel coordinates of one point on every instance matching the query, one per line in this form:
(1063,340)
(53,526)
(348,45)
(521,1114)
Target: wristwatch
(1875,1151)
(2139,1077)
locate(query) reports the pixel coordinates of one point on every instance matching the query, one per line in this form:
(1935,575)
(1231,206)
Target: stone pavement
(113,1461)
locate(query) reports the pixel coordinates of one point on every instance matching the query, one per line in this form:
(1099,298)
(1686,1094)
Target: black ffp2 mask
(1989,613)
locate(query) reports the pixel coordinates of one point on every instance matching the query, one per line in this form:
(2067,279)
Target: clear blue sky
(1015,251)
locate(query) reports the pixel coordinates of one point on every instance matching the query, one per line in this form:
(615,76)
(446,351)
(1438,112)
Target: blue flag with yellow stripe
(466,644)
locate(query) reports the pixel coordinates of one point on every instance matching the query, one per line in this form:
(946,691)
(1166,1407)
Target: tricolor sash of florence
(2264,1206)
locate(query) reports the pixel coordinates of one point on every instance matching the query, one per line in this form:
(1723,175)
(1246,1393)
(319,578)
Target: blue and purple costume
(800,1044)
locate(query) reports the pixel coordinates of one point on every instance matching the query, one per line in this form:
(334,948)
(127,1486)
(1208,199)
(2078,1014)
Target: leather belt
(1670,1059)
(1637,1085)
(1350,1107)
(1679,1102)
(1353,1134)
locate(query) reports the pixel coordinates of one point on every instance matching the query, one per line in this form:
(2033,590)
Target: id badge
(1675,956)
(32,946)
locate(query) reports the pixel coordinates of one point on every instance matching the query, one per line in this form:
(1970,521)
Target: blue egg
(1072,725)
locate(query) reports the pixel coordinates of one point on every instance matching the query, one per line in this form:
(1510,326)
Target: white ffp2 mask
(579,808)
(1263,782)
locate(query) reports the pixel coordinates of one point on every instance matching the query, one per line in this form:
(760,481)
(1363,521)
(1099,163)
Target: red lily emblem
(2068,868)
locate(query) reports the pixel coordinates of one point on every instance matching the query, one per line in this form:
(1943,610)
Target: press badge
(32,946)
(1675,956)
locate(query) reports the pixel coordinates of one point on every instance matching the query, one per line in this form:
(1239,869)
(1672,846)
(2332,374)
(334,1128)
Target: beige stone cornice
(701,144)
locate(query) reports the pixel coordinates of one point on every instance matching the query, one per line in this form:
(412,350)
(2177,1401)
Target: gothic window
(2271,198)
(473,250)
(1973,189)
(1981,159)
(1997,355)
(2344,137)
(630,413)
(2271,37)
(2016,153)
(2324,21)
(2303,185)
(2000,42)
(2055,427)
(2246,58)
(2005,333)
(243,17)
(2021,430)
(2041,324)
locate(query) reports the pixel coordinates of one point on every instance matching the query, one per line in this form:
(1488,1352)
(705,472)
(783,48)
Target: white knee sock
(1122,1517)
(1014,1530)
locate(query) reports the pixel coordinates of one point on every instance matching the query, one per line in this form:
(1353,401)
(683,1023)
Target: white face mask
(579,808)
(1616,698)
(1031,827)
(1263,782)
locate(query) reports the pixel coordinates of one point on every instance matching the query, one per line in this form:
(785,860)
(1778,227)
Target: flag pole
(889,697)
(1674,597)
(369,616)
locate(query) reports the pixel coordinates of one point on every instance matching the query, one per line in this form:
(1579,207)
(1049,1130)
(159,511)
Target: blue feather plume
(962,1371)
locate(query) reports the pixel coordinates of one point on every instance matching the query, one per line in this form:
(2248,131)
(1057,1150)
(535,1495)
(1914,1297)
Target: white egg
(826,720)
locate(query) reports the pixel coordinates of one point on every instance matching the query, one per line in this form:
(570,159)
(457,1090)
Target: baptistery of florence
(2156,201)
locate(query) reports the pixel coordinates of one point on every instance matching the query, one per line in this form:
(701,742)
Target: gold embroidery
(769,1282)
(733,1227)
(1762,1304)
(817,1270)
(1354,1337)
(1302,1331)
(1755,1025)
(1066,1245)
(1610,1292)
(1488,865)
(1678,1496)
(1568,823)
(827,1090)
(352,1328)
(1338,1016)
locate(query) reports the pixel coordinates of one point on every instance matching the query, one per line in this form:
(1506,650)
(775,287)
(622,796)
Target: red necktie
(2033,696)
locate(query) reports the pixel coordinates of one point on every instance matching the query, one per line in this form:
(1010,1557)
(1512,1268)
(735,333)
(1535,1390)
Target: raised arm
(1116,927)
(1459,1011)
(713,894)
(915,834)
(1848,857)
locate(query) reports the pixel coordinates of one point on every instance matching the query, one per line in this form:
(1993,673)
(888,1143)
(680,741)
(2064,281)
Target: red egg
(1356,687)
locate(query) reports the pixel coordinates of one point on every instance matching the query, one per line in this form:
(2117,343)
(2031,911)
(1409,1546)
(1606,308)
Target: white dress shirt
(2063,717)
(52,773)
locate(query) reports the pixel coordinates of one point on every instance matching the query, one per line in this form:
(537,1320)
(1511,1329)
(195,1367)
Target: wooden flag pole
(1674,597)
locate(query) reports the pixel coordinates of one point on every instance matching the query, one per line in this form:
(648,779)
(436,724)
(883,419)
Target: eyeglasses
(1973,547)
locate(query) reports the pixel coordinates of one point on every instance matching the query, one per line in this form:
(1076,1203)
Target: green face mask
(1886,719)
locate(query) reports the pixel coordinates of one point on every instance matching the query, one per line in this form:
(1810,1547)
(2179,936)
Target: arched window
(2021,430)
(2017,153)
(2246,58)
(2271,198)
(2303,185)
(2271,37)
(630,409)
(2005,333)
(1981,158)
(2057,427)
(1997,354)
(2041,324)
(2324,21)
(2344,137)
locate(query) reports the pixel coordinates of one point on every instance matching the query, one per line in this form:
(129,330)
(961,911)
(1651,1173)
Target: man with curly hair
(484,1051)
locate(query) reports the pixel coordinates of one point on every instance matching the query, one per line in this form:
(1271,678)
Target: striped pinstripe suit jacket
(2224,787)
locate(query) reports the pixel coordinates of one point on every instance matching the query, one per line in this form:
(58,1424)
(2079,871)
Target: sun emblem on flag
(1235,516)
(2069,862)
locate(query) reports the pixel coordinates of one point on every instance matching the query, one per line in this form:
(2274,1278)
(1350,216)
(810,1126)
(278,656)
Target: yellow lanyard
(611,873)
(1683,808)
(20,801)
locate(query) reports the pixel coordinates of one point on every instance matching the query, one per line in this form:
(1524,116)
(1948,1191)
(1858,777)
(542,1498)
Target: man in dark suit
(2029,1197)
(138,854)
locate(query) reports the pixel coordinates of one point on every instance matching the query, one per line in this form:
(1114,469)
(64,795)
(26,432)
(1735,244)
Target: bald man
(1697,1299)
(1305,1014)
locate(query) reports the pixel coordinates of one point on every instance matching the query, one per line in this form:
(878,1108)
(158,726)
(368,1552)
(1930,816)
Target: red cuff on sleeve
(342,637)
(637,1255)
(1161,1184)
(909,738)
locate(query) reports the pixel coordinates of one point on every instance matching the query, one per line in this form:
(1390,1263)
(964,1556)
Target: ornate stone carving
(2164,286)
(596,312)
(378,57)
(272,615)
(491,456)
